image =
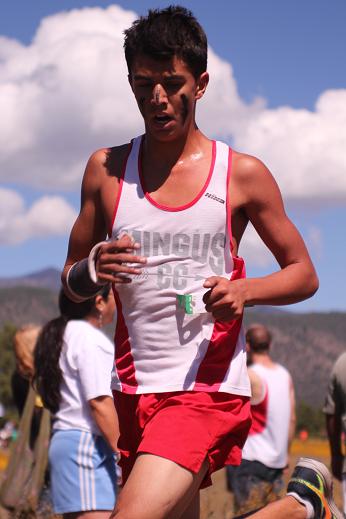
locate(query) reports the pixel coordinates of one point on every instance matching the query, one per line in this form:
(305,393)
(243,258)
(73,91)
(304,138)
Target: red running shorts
(183,426)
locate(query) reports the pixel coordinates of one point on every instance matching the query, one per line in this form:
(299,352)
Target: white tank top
(165,340)
(268,438)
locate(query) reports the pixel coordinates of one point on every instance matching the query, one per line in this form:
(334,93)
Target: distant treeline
(7,367)
(308,417)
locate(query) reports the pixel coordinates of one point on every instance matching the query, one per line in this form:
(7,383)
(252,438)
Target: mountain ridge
(44,278)
(306,344)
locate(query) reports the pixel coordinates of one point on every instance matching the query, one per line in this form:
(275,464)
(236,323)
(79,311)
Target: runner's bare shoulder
(247,167)
(251,177)
(115,159)
(108,161)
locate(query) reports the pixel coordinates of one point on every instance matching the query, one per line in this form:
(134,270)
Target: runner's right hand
(116,261)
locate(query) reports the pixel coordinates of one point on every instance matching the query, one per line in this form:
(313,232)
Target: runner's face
(166,94)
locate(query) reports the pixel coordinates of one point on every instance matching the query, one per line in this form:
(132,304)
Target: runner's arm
(258,388)
(262,203)
(114,258)
(90,226)
(257,199)
(334,430)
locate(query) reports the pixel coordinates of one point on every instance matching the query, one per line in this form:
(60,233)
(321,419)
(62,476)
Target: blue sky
(278,92)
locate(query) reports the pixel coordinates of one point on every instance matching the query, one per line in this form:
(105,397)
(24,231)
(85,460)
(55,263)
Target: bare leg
(158,488)
(285,508)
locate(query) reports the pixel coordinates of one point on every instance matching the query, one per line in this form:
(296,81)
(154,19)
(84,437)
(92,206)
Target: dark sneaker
(312,481)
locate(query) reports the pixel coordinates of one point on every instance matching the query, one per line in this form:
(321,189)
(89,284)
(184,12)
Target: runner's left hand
(225,299)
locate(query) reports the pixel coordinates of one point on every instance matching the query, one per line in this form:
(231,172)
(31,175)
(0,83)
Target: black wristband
(79,281)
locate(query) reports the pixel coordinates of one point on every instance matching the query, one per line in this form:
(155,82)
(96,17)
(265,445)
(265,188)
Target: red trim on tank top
(181,207)
(122,176)
(218,357)
(228,205)
(259,413)
(123,359)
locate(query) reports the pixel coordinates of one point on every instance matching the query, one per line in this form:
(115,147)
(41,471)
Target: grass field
(313,448)
(216,501)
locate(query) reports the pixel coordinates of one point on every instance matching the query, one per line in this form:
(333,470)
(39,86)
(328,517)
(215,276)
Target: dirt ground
(216,501)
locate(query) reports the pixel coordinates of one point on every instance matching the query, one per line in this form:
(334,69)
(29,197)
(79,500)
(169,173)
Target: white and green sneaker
(312,482)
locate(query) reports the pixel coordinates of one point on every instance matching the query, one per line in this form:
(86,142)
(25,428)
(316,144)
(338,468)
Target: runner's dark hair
(165,33)
(48,375)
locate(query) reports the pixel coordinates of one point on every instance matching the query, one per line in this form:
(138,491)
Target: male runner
(175,205)
(258,479)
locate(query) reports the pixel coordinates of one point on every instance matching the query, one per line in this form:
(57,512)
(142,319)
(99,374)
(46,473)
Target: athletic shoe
(312,481)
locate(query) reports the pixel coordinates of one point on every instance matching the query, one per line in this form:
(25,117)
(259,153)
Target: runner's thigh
(158,488)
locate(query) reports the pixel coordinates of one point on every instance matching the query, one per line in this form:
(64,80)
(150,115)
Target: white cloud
(66,94)
(253,250)
(306,151)
(314,241)
(63,96)
(222,112)
(48,216)
(256,254)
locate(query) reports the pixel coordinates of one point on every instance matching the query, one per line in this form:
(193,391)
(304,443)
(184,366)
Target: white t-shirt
(86,361)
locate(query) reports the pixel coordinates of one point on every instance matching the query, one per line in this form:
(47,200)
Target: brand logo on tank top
(214,197)
(175,252)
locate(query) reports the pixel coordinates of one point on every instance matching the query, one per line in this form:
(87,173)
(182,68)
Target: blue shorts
(82,471)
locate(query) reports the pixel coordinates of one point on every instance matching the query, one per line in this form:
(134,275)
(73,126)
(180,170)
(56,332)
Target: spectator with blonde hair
(24,342)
